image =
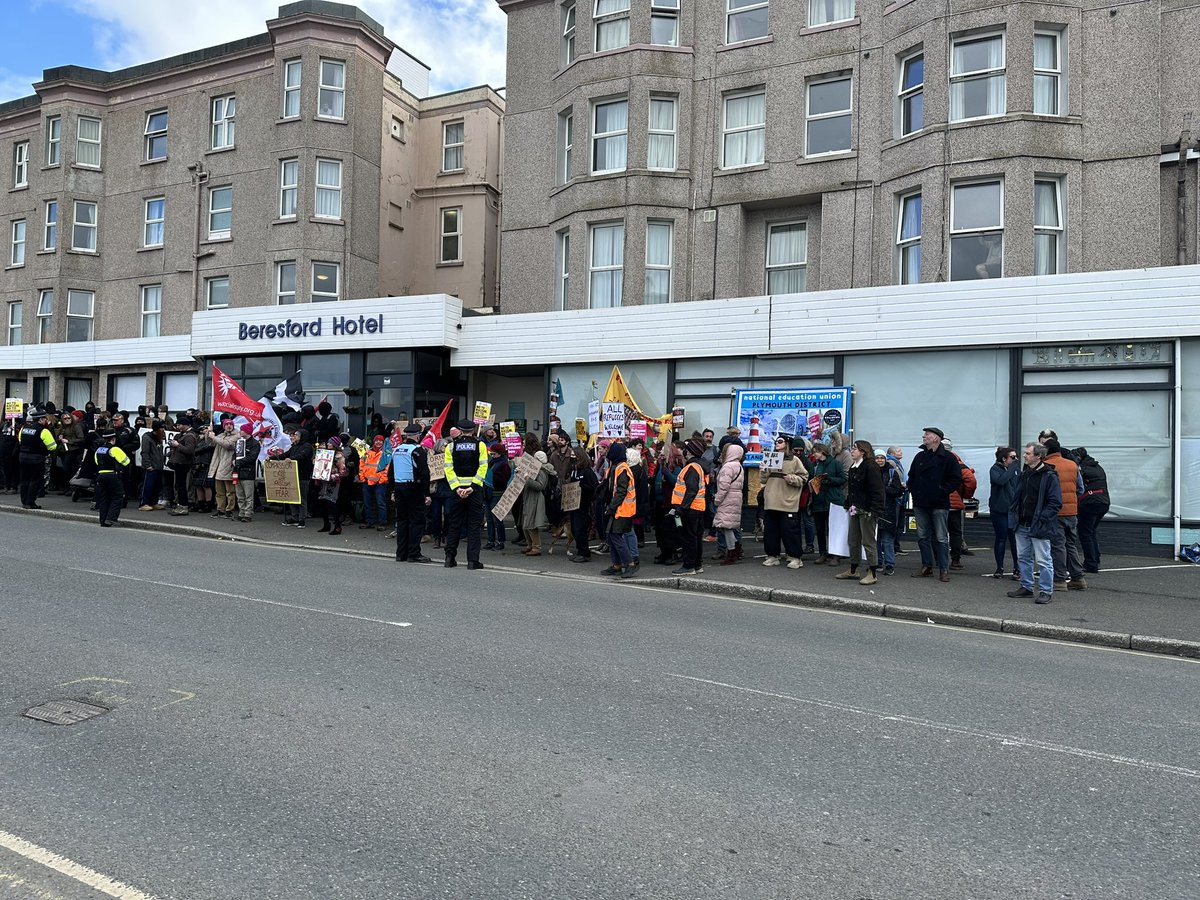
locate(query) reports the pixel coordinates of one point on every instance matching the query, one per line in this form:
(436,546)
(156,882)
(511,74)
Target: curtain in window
(745,147)
(329,196)
(823,11)
(608,7)
(611,151)
(79,392)
(612,34)
(746,25)
(608,249)
(1045,51)
(788,245)
(1045,95)
(1045,204)
(658,253)
(660,152)
(910,218)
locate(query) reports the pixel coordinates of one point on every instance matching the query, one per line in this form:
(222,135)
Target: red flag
(227,396)
(435,430)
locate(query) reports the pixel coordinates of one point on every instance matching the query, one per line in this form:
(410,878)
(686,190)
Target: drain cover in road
(64,712)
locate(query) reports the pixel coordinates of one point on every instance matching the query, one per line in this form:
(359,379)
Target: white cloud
(13,85)
(137,31)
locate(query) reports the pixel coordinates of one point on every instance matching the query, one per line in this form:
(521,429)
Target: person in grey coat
(1034,516)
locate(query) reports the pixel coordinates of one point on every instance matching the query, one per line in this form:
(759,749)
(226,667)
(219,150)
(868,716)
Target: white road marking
(1007,740)
(82,874)
(198,590)
(1148,568)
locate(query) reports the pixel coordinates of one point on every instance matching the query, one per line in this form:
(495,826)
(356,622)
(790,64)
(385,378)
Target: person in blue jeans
(494,484)
(372,475)
(1034,516)
(893,490)
(1005,476)
(934,475)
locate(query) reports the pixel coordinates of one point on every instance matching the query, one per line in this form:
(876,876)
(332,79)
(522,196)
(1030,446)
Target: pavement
(1139,603)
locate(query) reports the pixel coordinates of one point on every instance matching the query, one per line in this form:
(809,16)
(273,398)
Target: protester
(666,521)
(154,460)
(865,505)
(1034,516)
(301,450)
(1064,545)
(533,505)
(220,468)
(620,512)
(893,490)
(828,486)
(933,476)
(1093,506)
(1005,475)
(245,471)
(958,503)
(581,519)
(372,476)
(781,508)
(328,489)
(728,501)
(495,483)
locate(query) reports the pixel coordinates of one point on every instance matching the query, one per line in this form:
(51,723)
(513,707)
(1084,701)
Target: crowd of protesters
(840,503)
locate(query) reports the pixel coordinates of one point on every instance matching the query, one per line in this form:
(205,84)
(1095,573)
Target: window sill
(452,264)
(153,162)
(583,57)
(217,240)
(451,172)
(285,119)
(16,189)
(750,42)
(756,167)
(75,252)
(220,150)
(48,168)
(84,168)
(14,266)
(285,220)
(330,120)
(831,26)
(149,249)
(906,138)
(319,220)
(827,157)
(49,252)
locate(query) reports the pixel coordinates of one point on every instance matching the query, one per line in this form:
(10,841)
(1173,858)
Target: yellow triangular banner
(617,392)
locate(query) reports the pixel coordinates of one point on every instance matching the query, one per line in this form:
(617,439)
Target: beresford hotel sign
(334,326)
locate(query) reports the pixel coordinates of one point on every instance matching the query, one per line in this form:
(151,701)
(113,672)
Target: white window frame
(904,244)
(20,234)
(50,225)
(562,268)
(45,316)
(155,134)
(456,234)
(958,232)
(567,45)
(209,283)
(280,293)
(618,268)
(608,135)
(1000,71)
(150,222)
(614,16)
(847,113)
(658,266)
(328,189)
(213,210)
(151,292)
(653,132)
(53,141)
(291,92)
(16,321)
(326,296)
(816,6)
(223,134)
(89,316)
(21,164)
(566,144)
(81,142)
(1056,73)
(1058,232)
(789,265)
(726,130)
(92,227)
(906,95)
(732,11)
(289,189)
(334,91)
(454,148)
(665,11)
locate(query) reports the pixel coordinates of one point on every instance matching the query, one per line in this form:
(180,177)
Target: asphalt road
(289,724)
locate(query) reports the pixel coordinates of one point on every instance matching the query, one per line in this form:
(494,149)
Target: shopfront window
(326,374)
(1189,374)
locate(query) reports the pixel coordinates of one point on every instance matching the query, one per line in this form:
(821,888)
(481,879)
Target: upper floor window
(45,315)
(151,310)
(326,281)
(453,134)
(744,130)
(745,20)
(566,145)
(610,136)
(1047,73)
(156,216)
(216,292)
(567,47)
(223,111)
(562,268)
(1047,227)
(289,187)
(50,232)
(329,189)
(285,283)
(823,12)
(81,315)
(976,230)
(977,80)
(664,22)
(787,258)
(660,143)
(828,119)
(612,24)
(291,89)
(156,135)
(21,164)
(87,142)
(911,94)
(659,240)
(606,265)
(83,235)
(452,232)
(220,212)
(16,312)
(17,256)
(331,99)
(908,240)
(53,140)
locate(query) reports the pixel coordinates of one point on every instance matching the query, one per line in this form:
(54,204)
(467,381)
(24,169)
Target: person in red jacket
(958,547)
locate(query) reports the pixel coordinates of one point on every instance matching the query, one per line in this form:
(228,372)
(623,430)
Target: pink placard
(513,443)
(637,430)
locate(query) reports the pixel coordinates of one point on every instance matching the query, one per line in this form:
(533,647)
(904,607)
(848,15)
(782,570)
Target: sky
(113,34)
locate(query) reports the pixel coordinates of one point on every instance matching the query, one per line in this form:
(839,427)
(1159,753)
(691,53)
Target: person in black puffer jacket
(1093,506)
(865,502)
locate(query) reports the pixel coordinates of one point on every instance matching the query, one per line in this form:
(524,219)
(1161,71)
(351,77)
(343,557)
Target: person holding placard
(781,506)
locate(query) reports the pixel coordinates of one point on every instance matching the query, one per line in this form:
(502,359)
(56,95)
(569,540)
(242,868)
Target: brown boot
(737,549)
(730,558)
(821,560)
(869,578)
(852,572)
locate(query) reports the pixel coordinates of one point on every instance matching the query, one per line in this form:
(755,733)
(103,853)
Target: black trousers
(581,520)
(955,526)
(410,521)
(1089,524)
(33,479)
(180,485)
(666,532)
(469,511)
(110,496)
(785,526)
(693,537)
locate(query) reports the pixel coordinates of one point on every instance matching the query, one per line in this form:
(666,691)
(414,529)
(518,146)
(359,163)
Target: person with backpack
(965,491)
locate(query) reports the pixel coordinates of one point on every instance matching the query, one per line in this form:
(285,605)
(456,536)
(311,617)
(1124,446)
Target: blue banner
(812,413)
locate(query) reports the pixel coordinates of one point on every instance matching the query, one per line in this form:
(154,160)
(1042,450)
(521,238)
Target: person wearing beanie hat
(932,476)
(154,460)
(183,457)
(689,501)
(372,479)
(408,475)
(495,482)
(619,513)
(466,462)
(220,469)
(245,471)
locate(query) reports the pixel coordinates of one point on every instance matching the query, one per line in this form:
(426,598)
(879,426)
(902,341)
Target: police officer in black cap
(36,443)
(111,463)
(466,465)
(409,474)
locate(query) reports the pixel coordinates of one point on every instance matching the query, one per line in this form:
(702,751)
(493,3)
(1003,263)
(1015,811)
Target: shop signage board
(813,413)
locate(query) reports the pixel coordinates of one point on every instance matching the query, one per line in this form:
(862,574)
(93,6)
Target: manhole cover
(64,712)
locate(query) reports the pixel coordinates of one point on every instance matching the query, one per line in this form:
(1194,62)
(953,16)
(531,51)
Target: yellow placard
(281,479)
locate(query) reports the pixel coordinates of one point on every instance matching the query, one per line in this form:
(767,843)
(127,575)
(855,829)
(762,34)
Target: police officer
(410,489)
(466,465)
(111,462)
(35,446)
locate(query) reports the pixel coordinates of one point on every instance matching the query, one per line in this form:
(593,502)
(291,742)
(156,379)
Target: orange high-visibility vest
(368,470)
(628,507)
(680,488)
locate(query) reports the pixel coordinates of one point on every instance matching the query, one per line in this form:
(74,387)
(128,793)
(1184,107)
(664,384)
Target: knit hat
(695,446)
(377,442)
(497,448)
(335,443)
(247,428)
(540,456)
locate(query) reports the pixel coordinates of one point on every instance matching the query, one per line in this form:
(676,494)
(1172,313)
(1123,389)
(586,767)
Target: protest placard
(281,479)
(13,407)
(613,420)
(677,417)
(504,505)
(593,420)
(581,431)
(322,465)
(572,496)
(483,412)
(437,466)
(513,444)
(637,430)
(772,460)
(528,466)
(507,428)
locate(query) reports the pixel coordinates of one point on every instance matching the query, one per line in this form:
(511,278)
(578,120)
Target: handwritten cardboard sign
(281,478)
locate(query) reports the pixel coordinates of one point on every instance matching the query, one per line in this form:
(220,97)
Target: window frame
(569,19)
(89,316)
(16,255)
(953,232)
(323,88)
(45,330)
(599,20)
(16,311)
(325,296)
(1058,74)
(324,188)
(562,267)
(53,141)
(815,4)
(98,143)
(209,282)
(50,226)
(665,10)
(148,222)
(220,234)
(906,95)
(292,90)
(1058,231)
(731,11)
(593,269)
(847,113)
(148,315)
(566,144)
(449,146)
(20,164)
(905,244)
(280,293)
(978,74)
(742,129)
(443,234)
(651,131)
(769,267)
(225,125)
(608,135)
(659,267)
(157,134)
(293,187)
(93,227)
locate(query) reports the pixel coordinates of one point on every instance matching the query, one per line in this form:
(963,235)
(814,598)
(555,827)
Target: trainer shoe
(1042,598)
(771,561)
(683,570)
(795,563)
(1020,593)
(1077,584)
